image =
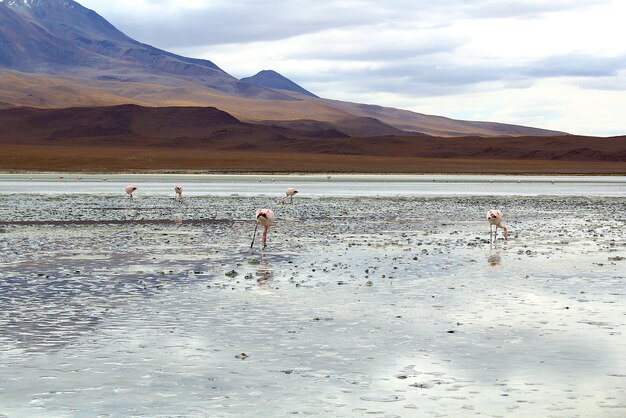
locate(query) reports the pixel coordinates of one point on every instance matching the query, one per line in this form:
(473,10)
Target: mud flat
(360,306)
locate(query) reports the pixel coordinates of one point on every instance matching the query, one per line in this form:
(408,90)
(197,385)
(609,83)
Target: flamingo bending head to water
(265,218)
(494,217)
(289,194)
(179,193)
(130,189)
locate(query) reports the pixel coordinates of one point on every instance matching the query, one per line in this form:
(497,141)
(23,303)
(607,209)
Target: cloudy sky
(557,64)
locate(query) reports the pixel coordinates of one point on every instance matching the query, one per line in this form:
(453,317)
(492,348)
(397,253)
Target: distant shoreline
(297,173)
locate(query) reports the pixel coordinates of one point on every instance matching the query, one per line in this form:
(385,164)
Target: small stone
(421,385)
(231,274)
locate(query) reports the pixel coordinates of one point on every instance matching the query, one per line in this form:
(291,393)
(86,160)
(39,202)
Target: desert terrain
(191,139)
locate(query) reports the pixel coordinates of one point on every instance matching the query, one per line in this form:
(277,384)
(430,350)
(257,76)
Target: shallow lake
(377,296)
(316,185)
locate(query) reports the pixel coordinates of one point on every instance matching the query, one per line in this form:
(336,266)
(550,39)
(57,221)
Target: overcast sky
(556,64)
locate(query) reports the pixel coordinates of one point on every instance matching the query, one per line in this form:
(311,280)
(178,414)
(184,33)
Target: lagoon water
(377,296)
(317,185)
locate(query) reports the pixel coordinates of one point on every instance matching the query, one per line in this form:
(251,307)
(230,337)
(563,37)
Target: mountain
(273,80)
(63,37)
(57,53)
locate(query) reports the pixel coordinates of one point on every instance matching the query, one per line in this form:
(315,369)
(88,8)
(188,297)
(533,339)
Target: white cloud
(547,64)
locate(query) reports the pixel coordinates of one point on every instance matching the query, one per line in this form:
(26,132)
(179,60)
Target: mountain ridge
(274,80)
(62,54)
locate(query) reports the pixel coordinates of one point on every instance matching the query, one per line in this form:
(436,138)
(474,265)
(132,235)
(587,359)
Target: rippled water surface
(375,297)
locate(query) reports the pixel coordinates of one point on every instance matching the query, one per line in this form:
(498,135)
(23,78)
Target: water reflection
(494,259)
(264,273)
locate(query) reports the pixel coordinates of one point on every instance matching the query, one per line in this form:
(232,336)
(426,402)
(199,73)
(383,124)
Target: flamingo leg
(264,237)
(254,235)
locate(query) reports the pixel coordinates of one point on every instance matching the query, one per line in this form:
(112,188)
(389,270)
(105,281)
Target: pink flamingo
(494,217)
(289,194)
(179,192)
(266,218)
(130,189)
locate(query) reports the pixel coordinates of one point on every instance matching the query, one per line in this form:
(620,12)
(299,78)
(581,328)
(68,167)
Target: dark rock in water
(421,385)
(231,274)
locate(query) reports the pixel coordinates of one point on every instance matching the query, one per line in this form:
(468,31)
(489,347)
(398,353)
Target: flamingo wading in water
(494,217)
(265,218)
(130,189)
(289,194)
(179,193)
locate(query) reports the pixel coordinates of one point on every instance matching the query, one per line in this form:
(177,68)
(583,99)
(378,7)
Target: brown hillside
(130,137)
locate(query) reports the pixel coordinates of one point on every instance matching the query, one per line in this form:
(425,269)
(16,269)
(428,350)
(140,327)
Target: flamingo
(179,192)
(494,217)
(264,217)
(289,194)
(130,189)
